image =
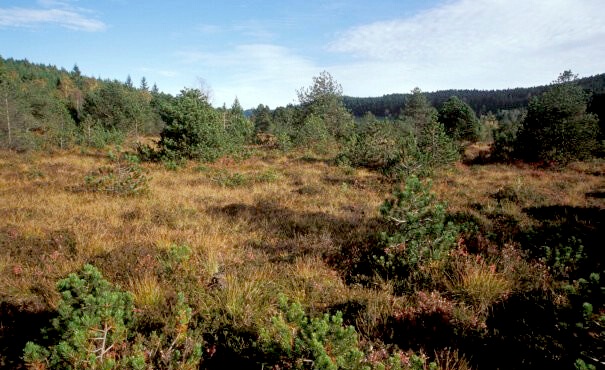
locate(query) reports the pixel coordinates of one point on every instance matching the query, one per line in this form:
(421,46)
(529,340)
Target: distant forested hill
(482,101)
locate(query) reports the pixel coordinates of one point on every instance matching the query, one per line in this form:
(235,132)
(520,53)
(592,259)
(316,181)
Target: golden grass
(41,194)
(147,291)
(481,284)
(267,235)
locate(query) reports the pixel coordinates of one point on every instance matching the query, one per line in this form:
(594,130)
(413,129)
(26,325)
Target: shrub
(313,134)
(418,235)
(459,119)
(415,145)
(96,327)
(193,129)
(324,342)
(231,180)
(92,133)
(377,145)
(505,135)
(557,127)
(296,341)
(91,326)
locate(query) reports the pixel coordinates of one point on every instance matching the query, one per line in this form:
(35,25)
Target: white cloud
(480,44)
(255,73)
(61,14)
(474,44)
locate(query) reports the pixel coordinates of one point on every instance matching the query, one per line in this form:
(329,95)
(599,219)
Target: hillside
(482,101)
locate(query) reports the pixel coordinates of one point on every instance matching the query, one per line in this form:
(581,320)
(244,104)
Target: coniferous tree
(459,119)
(261,116)
(323,99)
(557,127)
(193,129)
(144,85)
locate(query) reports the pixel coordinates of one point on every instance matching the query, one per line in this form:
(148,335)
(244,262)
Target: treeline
(44,106)
(482,101)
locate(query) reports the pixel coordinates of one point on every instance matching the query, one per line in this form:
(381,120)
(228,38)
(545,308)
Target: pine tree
(144,85)
(459,119)
(557,127)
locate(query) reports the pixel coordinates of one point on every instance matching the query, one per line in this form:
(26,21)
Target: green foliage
(505,135)
(91,327)
(415,145)
(459,120)
(323,112)
(262,119)
(564,260)
(124,177)
(93,134)
(323,342)
(434,149)
(581,365)
(557,127)
(283,126)
(297,341)
(418,235)
(239,129)
(176,258)
(96,328)
(313,134)
(378,145)
(195,130)
(231,180)
(177,346)
(32,116)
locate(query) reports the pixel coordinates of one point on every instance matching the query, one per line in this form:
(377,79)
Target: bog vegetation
(143,230)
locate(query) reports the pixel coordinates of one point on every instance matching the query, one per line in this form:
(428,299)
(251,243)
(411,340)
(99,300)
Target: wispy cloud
(255,73)
(477,43)
(51,12)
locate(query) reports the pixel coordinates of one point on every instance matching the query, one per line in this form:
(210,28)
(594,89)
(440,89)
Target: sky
(263,51)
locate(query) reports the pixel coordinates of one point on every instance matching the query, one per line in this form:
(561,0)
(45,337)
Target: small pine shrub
(94,134)
(323,342)
(96,328)
(91,327)
(293,340)
(418,235)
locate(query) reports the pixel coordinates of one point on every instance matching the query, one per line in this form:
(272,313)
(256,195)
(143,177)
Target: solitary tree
(324,100)
(459,119)
(193,129)
(557,127)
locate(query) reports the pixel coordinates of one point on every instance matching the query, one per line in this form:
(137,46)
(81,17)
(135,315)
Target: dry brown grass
(274,230)
(265,235)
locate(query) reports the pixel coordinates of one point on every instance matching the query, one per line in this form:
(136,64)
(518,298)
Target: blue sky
(263,51)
